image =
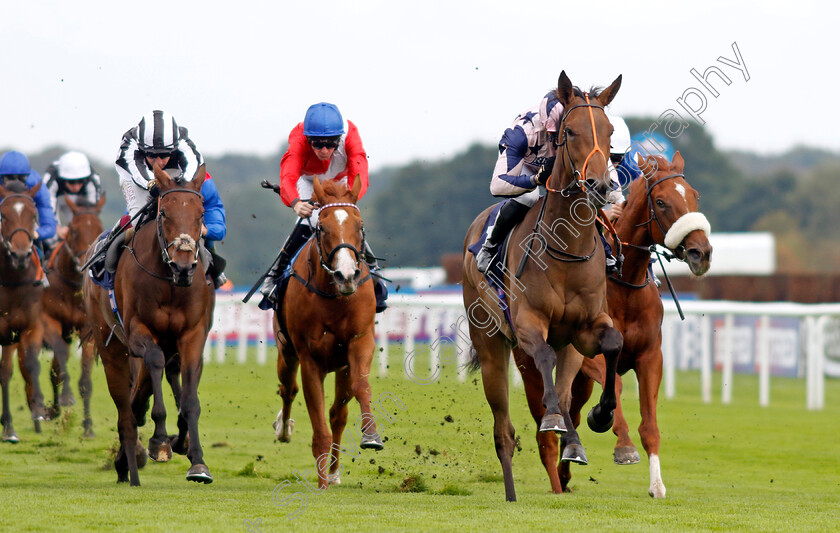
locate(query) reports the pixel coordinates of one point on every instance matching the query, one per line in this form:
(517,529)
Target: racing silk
(132,161)
(300,165)
(46,218)
(90,192)
(524,147)
(214,211)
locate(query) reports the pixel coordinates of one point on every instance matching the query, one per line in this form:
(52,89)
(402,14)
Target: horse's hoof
(53,412)
(596,425)
(573,453)
(553,422)
(178,446)
(67,399)
(334,479)
(10,436)
(88,433)
(160,452)
(626,455)
(199,473)
(283,432)
(657,489)
(371,442)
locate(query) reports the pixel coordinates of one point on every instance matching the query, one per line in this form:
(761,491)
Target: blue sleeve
(46,216)
(628,170)
(514,145)
(214,212)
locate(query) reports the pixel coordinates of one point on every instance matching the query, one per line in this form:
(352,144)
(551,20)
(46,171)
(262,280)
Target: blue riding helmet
(323,120)
(14,163)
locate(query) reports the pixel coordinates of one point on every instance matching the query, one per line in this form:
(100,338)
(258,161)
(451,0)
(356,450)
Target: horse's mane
(594,92)
(334,191)
(84,202)
(15,186)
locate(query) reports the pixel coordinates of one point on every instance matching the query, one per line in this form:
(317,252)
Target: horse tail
(473,364)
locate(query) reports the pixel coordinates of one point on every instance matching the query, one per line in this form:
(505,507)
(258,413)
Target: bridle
(318,231)
(578,180)
(7,240)
(164,247)
(679,251)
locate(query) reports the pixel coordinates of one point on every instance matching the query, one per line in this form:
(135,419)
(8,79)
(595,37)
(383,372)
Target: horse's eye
(569,132)
(660,204)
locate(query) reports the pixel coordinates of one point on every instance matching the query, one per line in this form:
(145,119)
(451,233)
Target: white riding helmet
(158,133)
(620,139)
(73,166)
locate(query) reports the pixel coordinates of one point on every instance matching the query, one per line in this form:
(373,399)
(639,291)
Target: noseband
(328,261)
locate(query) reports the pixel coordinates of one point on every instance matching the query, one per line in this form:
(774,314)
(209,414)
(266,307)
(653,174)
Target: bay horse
(164,314)
(20,300)
(63,308)
(558,294)
(662,208)
(325,325)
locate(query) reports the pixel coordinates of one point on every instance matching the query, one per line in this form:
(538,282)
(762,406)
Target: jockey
(71,176)
(322,145)
(527,151)
(15,166)
(159,138)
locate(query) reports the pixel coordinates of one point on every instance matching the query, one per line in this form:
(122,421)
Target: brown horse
(63,308)
(558,295)
(163,313)
(661,209)
(20,300)
(326,325)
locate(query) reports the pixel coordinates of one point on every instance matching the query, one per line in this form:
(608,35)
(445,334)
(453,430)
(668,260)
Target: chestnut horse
(163,313)
(63,308)
(325,325)
(661,209)
(20,300)
(558,295)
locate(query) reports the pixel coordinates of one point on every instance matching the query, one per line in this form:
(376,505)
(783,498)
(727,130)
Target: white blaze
(345,263)
(18,208)
(680,189)
(341,215)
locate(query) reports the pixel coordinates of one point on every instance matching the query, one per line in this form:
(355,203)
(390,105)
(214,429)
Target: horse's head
(583,140)
(83,230)
(340,234)
(673,203)
(18,222)
(179,219)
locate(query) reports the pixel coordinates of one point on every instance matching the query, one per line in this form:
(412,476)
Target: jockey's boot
(300,234)
(217,267)
(613,264)
(510,214)
(379,287)
(97,268)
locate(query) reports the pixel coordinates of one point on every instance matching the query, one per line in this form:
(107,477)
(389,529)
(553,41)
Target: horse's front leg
(287,370)
(6,368)
(649,374)
(532,332)
(568,365)
(338,421)
(191,347)
(58,372)
(86,384)
(360,356)
(601,337)
(312,380)
(118,376)
(149,379)
(31,341)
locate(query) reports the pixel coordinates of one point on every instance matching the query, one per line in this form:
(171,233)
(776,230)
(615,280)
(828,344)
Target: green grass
(726,467)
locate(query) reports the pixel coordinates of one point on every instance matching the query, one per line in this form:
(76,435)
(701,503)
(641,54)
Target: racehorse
(557,295)
(63,309)
(160,312)
(661,209)
(20,300)
(325,324)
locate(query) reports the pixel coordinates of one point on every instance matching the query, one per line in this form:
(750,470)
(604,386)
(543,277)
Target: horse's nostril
(694,254)
(357,274)
(339,276)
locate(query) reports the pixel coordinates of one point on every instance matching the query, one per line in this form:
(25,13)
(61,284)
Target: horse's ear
(198,180)
(678,162)
(71,204)
(565,89)
(34,190)
(357,187)
(318,191)
(609,93)
(100,203)
(3,191)
(161,176)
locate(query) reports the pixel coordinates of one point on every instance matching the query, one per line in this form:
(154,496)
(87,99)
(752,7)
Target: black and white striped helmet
(158,133)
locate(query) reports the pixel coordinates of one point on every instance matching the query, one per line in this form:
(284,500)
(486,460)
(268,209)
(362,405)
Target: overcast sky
(421,80)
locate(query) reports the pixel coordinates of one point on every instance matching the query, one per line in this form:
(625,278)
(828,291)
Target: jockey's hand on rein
(153,188)
(543,174)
